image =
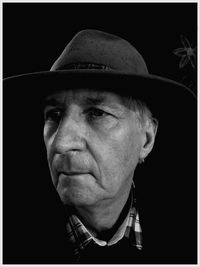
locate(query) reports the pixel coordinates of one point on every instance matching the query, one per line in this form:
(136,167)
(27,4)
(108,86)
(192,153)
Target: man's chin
(77,190)
(76,198)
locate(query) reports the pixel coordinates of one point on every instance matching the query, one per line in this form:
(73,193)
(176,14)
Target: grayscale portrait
(100,133)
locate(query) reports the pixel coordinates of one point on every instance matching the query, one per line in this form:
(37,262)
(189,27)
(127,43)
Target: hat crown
(95,49)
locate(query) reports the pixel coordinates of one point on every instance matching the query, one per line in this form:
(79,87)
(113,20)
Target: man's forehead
(84,96)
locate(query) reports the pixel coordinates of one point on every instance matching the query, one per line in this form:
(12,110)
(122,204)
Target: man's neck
(103,221)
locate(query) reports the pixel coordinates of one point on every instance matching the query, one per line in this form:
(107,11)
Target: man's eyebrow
(102,100)
(94,101)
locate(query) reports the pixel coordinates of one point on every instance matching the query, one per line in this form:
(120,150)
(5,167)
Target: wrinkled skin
(93,146)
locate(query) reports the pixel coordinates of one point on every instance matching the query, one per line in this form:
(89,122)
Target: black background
(34,35)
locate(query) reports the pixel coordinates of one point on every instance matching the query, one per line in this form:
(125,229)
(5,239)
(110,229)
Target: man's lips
(74,173)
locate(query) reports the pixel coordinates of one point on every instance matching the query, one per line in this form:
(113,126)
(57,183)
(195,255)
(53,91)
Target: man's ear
(148,137)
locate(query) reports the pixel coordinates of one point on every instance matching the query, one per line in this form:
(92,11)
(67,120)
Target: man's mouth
(73,173)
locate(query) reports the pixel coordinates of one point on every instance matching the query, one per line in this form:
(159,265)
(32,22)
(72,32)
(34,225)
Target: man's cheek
(127,153)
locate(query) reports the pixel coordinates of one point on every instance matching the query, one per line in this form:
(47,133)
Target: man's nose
(70,136)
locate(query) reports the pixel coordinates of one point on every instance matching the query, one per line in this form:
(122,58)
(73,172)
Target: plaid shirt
(80,237)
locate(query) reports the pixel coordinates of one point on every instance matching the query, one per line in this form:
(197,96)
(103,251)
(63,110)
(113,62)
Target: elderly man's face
(93,143)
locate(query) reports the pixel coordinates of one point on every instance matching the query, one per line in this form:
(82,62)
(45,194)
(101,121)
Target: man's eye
(95,112)
(53,115)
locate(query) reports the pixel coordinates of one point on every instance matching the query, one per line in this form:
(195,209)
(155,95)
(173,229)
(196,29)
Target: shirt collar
(80,237)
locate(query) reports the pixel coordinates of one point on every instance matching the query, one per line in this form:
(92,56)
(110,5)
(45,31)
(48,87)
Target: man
(98,104)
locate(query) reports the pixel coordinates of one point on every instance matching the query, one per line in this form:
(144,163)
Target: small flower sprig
(187,53)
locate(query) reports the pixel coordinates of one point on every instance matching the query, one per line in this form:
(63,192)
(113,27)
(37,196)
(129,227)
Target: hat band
(82,65)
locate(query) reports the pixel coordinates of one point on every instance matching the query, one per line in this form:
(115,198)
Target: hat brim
(154,90)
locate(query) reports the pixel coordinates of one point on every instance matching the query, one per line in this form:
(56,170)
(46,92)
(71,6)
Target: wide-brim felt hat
(97,60)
